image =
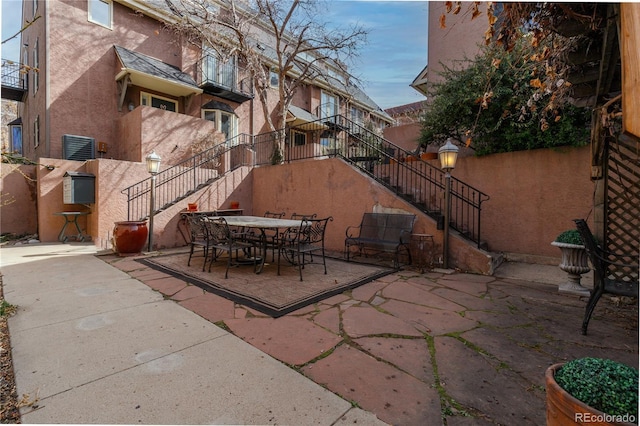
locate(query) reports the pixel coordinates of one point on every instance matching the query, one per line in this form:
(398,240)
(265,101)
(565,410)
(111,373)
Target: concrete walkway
(98,346)
(91,344)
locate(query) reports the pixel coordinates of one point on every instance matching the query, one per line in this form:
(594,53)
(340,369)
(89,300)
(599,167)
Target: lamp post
(153,166)
(448,155)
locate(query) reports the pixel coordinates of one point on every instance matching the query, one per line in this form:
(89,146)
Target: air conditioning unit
(79,148)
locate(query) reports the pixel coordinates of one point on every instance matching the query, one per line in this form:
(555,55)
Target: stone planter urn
(575,263)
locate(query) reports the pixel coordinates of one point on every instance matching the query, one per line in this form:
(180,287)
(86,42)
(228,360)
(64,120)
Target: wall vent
(79,148)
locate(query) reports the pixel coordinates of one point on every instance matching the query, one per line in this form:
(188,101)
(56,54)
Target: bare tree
(280,39)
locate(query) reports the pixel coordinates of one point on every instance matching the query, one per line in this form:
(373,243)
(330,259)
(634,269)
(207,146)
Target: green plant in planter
(606,385)
(572,236)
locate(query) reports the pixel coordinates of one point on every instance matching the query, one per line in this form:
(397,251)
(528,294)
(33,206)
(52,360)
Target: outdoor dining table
(261,223)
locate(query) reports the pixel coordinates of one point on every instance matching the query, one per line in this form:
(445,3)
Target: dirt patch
(9,412)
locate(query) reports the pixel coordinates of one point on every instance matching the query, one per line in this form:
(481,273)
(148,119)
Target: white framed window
(357,115)
(274,78)
(159,102)
(101,12)
(225,122)
(36,64)
(298,138)
(36,132)
(329,105)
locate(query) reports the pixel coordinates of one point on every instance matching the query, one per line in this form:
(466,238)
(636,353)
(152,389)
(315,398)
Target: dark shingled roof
(152,66)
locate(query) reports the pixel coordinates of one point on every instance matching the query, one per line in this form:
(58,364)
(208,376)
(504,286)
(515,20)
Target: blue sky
(396,50)
(394,55)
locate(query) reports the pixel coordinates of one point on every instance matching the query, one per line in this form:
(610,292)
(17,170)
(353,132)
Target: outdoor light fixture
(153,166)
(448,155)
(153,163)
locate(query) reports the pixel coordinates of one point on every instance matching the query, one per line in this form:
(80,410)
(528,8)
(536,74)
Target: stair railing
(179,181)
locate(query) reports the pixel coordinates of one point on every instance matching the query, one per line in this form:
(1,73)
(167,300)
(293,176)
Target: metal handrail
(178,181)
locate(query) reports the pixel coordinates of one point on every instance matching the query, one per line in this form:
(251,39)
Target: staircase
(416,181)
(187,177)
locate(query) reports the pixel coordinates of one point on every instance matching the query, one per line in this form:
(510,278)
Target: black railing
(418,182)
(177,182)
(14,80)
(225,79)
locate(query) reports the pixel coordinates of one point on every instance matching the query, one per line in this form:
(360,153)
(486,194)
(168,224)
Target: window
(167,104)
(298,138)
(357,115)
(328,105)
(36,64)
(225,122)
(100,12)
(274,78)
(36,132)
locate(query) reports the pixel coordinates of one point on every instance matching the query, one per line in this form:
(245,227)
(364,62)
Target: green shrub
(603,384)
(492,102)
(572,236)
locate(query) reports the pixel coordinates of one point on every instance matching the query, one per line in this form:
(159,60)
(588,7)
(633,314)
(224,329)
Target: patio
(425,348)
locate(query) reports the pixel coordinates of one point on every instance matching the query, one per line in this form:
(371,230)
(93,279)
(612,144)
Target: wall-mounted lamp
(131,106)
(49,167)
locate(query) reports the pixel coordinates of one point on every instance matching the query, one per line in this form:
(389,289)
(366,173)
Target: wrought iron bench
(610,275)
(381,233)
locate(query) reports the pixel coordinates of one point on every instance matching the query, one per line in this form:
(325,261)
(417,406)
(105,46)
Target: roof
(218,105)
(152,66)
(414,107)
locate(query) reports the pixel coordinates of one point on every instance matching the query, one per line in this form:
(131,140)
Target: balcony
(224,80)
(14,81)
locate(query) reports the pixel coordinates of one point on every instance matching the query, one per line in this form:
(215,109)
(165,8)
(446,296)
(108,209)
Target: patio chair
(222,239)
(270,235)
(298,244)
(297,216)
(198,236)
(611,272)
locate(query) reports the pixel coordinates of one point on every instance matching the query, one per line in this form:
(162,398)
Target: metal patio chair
(222,239)
(298,244)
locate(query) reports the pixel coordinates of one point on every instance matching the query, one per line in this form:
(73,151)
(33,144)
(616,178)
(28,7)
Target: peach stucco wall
(111,178)
(18,212)
(169,134)
(406,136)
(333,188)
(534,196)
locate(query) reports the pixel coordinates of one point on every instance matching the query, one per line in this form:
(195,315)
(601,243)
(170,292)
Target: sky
(396,49)
(395,52)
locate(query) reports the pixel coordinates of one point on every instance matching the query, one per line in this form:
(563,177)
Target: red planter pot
(564,410)
(129,237)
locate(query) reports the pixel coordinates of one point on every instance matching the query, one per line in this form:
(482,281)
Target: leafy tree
(500,102)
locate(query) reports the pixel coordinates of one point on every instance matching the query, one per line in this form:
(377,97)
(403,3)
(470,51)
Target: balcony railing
(225,80)
(14,80)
